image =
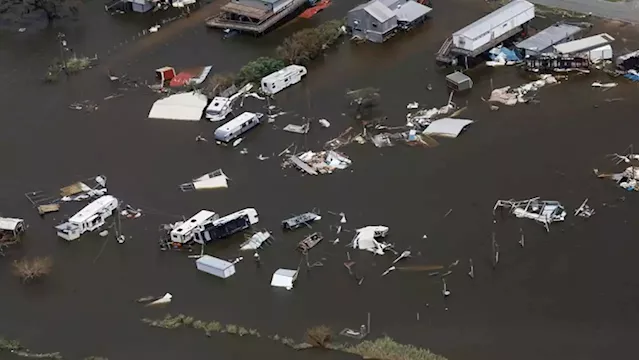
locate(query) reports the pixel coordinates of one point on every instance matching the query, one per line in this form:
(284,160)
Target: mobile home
(227,225)
(192,228)
(90,218)
(281,79)
(238,126)
(218,109)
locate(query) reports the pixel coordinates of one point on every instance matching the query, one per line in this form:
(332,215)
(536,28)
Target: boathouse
(253,16)
(378,20)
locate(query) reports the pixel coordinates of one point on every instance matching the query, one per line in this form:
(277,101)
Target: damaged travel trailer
(193,227)
(300,220)
(11,228)
(281,79)
(365,239)
(542,211)
(238,126)
(218,109)
(228,225)
(90,218)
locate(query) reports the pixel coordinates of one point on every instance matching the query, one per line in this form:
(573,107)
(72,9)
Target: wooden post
(368,323)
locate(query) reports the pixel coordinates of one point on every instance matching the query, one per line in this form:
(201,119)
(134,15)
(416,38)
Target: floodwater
(570,293)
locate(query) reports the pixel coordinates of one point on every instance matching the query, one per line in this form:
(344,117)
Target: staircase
(443,54)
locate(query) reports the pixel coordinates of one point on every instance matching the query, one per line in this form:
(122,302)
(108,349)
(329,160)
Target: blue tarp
(503,52)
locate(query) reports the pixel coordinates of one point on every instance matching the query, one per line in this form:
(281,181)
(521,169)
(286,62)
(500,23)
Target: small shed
(284,278)
(165,73)
(214,266)
(11,227)
(459,81)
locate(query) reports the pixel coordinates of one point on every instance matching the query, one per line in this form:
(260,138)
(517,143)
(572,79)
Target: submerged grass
(14,347)
(384,348)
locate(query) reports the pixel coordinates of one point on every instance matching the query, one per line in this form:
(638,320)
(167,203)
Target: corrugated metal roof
(548,37)
(410,11)
(214,262)
(376,9)
(497,17)
(584,44)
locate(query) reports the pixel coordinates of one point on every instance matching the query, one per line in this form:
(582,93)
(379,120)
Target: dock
(302,165)
(248,19)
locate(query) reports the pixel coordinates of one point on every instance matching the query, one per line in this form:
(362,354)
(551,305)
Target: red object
(181,79)
(310,12)
(165,73)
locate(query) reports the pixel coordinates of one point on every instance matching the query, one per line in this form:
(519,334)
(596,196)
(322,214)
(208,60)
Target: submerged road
(570,293)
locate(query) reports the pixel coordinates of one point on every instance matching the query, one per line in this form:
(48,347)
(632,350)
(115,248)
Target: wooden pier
(248,19)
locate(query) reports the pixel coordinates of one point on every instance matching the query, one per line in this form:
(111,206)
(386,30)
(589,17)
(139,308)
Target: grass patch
(387,349)
(14,347)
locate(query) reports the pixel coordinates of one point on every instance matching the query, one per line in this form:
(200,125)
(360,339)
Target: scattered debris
(262,158)
(605,85)
(237,142)
(405,254)
(413,105)
(365,239)
(161,301)
(501,56)
(201,138)
(213,180)
(471,272)
(324,123)
(323,162)
(542,211)
(495,248)
(214,266)
(10,231)
(494,107)
(284,278)
(300,220)
(103,233)
(131,213)
(522,94)
(86,105)
(521,241)
(256,241)
(584,211)
(47,208)
(423,118)
(297,129)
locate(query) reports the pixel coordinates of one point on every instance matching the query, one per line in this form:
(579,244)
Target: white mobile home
(90,218)
(493,28)
(227,225)
(219,109)
(214,266)
(238,126)
(191,229)
(276,82)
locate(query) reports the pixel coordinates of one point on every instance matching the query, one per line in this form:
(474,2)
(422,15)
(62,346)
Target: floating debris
(161,301)
(297,129)
(213,180)
(584,211)
(542,211)
(324,123)
(365,239)
(300,220)
(255,241)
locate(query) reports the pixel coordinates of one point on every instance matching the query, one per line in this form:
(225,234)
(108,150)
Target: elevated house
(378,20)
(254,16)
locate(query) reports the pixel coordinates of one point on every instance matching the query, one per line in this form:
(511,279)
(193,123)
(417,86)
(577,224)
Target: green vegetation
(17,349)
(387,349)
(73,65)
(299,48)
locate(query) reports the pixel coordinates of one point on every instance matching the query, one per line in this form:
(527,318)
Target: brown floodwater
(570,293)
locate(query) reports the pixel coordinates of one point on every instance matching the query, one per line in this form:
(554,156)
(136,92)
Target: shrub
(33,269)
(219,83)
(259,68)
(319,336)
(308,44)
(387,349)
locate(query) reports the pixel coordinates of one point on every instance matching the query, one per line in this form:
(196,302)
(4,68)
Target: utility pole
(63,49)
(119,235)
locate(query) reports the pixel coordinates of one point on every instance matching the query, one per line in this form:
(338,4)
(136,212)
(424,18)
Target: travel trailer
(238,126)
(281,79)
(227,225)
(90,218)
(192,228)
(219,109)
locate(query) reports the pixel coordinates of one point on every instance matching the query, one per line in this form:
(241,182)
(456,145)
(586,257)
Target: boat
(309,242)
(300,220)
(312,11)
(90,218)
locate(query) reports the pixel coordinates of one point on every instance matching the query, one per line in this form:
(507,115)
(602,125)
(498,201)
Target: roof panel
(584,44)
(410,11)
(548,37)
(379,11)
(495,18)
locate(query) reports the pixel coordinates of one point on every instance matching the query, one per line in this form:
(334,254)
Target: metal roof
(376,9)
(500,16)
(584,44)
(548,37)
(410,11)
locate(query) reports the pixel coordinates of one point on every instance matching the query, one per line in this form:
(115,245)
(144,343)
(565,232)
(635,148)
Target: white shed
(184,106)
(277,81)
(214,266)
(11,226)
(284,278)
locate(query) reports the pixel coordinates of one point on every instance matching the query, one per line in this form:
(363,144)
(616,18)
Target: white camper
(276,82)
(238,126)
(218,109)
(214,266)
(191,229)
(89,218)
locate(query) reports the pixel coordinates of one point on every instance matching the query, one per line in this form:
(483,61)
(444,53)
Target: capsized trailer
(542,211)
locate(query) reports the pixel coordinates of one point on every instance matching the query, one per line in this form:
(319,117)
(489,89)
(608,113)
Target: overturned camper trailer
(228,225)
(238,126)
(281,79)
(542,211)
(192,228)
(487,32)
(218,109)
(90,218)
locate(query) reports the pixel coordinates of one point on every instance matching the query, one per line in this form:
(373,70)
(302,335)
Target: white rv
(228,225)
(276,82)
(191,229)
(90,218)
(219,109)
(238,126)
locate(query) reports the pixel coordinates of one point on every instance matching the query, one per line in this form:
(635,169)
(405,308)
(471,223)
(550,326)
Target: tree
(259,68)
(308,44)
(219,83)
(17,10)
